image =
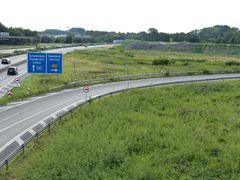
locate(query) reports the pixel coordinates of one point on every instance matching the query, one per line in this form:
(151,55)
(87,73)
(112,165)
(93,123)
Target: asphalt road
(6,51)
(22,117)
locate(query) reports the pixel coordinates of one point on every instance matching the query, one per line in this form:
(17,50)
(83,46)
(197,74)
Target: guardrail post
(23,148)
(37,136)
(6,163)
(49,127)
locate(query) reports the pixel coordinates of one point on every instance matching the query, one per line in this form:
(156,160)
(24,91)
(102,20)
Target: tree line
(216,34)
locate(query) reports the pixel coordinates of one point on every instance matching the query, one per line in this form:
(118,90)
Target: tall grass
(177,132)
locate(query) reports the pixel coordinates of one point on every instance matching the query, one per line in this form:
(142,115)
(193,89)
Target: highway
(22,119)
(6,51)
(6,82)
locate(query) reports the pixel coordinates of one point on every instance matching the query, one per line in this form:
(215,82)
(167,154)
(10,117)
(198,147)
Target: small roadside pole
(128,83)
(86,91)
(74,66)
(17,83)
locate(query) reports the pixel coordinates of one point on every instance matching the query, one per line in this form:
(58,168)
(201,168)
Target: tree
(152,34)
(3,28)
(69,38)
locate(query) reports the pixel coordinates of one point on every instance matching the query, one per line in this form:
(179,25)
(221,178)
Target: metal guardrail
(19,143)
(141,76)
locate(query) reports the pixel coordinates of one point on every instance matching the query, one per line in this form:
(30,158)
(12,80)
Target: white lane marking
(29,117)
(54,116)
(3,120)
(2,110)
(15,104)
(20,141)
(18,122)
(43,123)
(31,131)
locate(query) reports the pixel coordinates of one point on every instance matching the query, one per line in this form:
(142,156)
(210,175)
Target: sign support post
(86,90)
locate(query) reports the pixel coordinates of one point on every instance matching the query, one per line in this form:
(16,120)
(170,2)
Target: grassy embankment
(188,131)
(95,63)
(203,48)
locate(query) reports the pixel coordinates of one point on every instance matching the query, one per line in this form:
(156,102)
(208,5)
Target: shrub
(232,63)
(129,55)
(160,62)
(205,71)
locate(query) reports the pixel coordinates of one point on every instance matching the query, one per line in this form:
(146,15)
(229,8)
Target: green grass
(115,61)
(176,132)
(205,48)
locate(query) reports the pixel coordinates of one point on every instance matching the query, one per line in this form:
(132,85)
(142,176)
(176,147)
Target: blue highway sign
(54,63)
(37,63)
(44,63)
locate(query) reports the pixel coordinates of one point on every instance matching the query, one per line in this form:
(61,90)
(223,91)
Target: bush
(205,71)
(160,62)
(232,63)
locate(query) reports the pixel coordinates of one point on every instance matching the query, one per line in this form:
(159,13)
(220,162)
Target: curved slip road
(21,120)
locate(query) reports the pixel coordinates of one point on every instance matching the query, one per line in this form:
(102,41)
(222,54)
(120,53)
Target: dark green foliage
(18,32)
(205,71)
(3,28)
(232,63)
(160,62)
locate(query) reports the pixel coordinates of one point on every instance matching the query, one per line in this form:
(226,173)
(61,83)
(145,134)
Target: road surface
(18,121)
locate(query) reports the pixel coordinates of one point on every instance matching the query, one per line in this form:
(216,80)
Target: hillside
(220,49)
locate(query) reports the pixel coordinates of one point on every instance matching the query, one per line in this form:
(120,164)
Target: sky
(120,15)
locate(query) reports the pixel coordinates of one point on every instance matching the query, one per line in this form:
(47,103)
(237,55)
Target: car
(6,61)
(12,70)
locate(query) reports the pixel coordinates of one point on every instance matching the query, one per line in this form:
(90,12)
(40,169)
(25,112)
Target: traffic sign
(86,89)
(54,63)
(37,63)
(9,93)
(17,82)
(44,63)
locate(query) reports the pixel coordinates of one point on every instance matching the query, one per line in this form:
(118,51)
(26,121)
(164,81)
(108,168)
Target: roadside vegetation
(176,132)
(185,47)
(121,61)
